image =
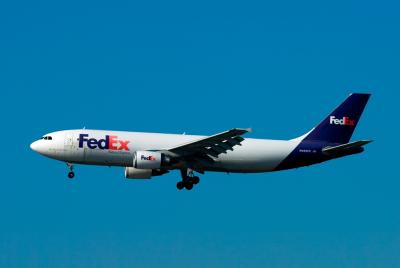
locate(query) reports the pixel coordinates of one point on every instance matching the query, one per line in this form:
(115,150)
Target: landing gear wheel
(180,185)
(188,185)
(195,180)
(188,179)
(71,173)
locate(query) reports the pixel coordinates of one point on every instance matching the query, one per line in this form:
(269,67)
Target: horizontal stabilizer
(331,150)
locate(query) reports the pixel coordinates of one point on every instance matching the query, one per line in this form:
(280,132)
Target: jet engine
(134,173)
(150,160)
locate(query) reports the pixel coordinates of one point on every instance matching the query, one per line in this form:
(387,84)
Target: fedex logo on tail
(108,143)
(149,158)
(345,121)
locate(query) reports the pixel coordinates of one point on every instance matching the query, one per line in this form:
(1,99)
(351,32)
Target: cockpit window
(46,138)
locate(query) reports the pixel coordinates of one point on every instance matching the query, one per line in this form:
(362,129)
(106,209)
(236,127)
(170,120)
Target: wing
(206,149)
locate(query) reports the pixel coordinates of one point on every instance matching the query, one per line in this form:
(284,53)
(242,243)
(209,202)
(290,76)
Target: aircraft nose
(35,146)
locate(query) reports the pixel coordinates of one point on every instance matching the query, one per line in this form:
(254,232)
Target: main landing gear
(188,180)
(71,173)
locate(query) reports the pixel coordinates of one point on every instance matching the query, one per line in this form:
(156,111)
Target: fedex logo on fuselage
(108,143)
(345,121)
(149,158)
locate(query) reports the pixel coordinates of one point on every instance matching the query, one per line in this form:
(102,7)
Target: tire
(195,180)
(180,185)
(188,185)
(71,175)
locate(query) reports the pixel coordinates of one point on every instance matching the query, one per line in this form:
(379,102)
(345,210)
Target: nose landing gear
(71,173)
(188,180)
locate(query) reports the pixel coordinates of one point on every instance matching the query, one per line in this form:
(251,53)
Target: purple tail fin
(338,126)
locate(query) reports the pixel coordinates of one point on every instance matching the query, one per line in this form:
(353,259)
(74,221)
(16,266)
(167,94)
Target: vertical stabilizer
(339,125)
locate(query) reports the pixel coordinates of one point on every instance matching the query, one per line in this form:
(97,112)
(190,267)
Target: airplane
(145,155)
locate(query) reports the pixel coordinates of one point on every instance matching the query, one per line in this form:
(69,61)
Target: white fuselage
(253,155)
(145,155)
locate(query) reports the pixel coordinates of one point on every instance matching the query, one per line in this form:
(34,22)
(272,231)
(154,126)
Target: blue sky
(200,68)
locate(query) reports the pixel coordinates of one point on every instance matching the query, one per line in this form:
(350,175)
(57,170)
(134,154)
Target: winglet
(240,131)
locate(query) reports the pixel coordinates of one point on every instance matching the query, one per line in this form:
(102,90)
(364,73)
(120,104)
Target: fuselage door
(71,147)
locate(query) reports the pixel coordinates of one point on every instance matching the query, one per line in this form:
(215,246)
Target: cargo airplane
(144,155)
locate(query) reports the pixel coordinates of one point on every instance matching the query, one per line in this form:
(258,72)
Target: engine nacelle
(150,160)
(134,173)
